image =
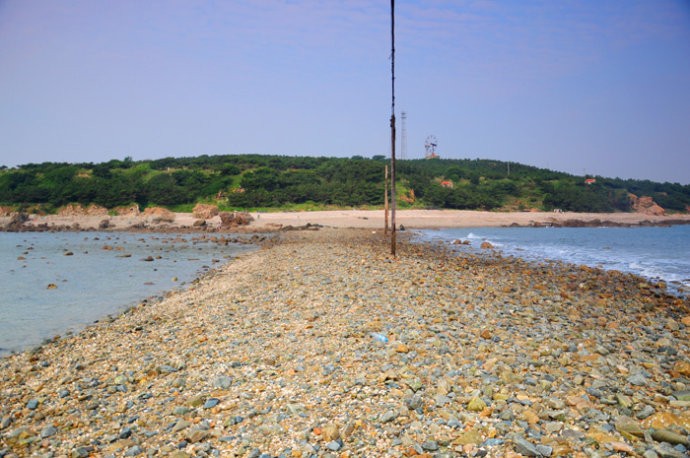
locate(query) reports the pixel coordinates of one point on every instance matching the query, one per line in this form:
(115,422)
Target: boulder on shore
(204,211)
(159,215)
(17,221)
(131,210)
(228,220)
(646,205)
(80,210)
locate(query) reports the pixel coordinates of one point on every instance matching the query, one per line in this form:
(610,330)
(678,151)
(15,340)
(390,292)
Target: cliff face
(646,205)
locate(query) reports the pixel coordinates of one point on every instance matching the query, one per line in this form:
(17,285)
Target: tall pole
(393,199)
(403,136)
(385,198)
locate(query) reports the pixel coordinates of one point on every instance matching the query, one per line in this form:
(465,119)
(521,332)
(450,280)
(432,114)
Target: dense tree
(251,181)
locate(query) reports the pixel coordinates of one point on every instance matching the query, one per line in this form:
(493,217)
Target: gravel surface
(324,345)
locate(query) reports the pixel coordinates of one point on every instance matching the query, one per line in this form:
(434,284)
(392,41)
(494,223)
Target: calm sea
(652,252)
(46,291)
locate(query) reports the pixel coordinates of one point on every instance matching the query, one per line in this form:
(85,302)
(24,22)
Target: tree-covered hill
(257,181)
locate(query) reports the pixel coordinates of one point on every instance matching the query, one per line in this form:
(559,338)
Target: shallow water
(652,252)
(46,292)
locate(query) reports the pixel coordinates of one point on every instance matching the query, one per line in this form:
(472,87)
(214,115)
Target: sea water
(659,253)
(54,283)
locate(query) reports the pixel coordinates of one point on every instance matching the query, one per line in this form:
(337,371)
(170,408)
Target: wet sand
(322,344)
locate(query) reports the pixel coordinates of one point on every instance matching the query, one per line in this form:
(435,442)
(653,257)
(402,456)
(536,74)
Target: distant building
(447,184)
(590,180)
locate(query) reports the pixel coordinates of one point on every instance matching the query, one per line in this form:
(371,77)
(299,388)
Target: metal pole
(385,198)
(393,199)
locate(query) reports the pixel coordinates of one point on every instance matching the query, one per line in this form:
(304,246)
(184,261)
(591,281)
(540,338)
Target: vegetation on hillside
(260,182)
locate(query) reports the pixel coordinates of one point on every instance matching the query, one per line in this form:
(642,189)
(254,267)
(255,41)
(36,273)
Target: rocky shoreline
(322,344)
(607,223)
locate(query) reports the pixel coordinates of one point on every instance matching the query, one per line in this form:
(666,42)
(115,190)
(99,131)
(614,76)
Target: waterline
(54,283)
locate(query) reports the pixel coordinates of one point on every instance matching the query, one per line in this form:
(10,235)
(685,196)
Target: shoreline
(370,219)
(154,265)
(274,354)
(436,219)
(457,247)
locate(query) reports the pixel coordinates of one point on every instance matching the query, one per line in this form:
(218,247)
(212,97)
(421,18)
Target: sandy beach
(322,344)
(370,219)
(429,219)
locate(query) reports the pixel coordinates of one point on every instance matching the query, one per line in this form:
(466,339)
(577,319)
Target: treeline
(256,181)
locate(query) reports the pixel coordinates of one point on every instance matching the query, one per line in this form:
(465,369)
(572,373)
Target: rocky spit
(324,345)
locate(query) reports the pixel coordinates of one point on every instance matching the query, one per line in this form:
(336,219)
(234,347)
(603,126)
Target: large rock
(80,210)
(159,215)
(234,219)
(646,205)
(6,211)
(204,211)
(17,221)
(131,210)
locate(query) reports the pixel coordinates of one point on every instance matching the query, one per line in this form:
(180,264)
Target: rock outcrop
(17,221)
(132,210)
(204,211)
(159,215)
(646,205)
(228,220)
(80,210)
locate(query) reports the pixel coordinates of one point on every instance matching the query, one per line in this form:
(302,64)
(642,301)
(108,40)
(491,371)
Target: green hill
(265,182)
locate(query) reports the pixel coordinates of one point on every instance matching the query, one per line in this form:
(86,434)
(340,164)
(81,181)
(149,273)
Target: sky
(597,87)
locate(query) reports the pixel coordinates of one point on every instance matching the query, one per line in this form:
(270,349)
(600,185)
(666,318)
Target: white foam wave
(654,253)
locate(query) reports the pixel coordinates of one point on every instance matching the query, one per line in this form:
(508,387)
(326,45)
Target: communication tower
(430,147)
(403,136)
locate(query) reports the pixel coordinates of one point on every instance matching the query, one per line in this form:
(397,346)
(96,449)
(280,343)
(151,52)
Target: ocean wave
(653,253)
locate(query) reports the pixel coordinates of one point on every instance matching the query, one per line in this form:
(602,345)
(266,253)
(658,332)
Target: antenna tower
(403,136)
(430,147)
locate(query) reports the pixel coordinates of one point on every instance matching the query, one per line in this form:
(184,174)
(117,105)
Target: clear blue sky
(597,87)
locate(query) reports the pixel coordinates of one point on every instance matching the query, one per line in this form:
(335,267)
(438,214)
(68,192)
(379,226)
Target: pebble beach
(322,344)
